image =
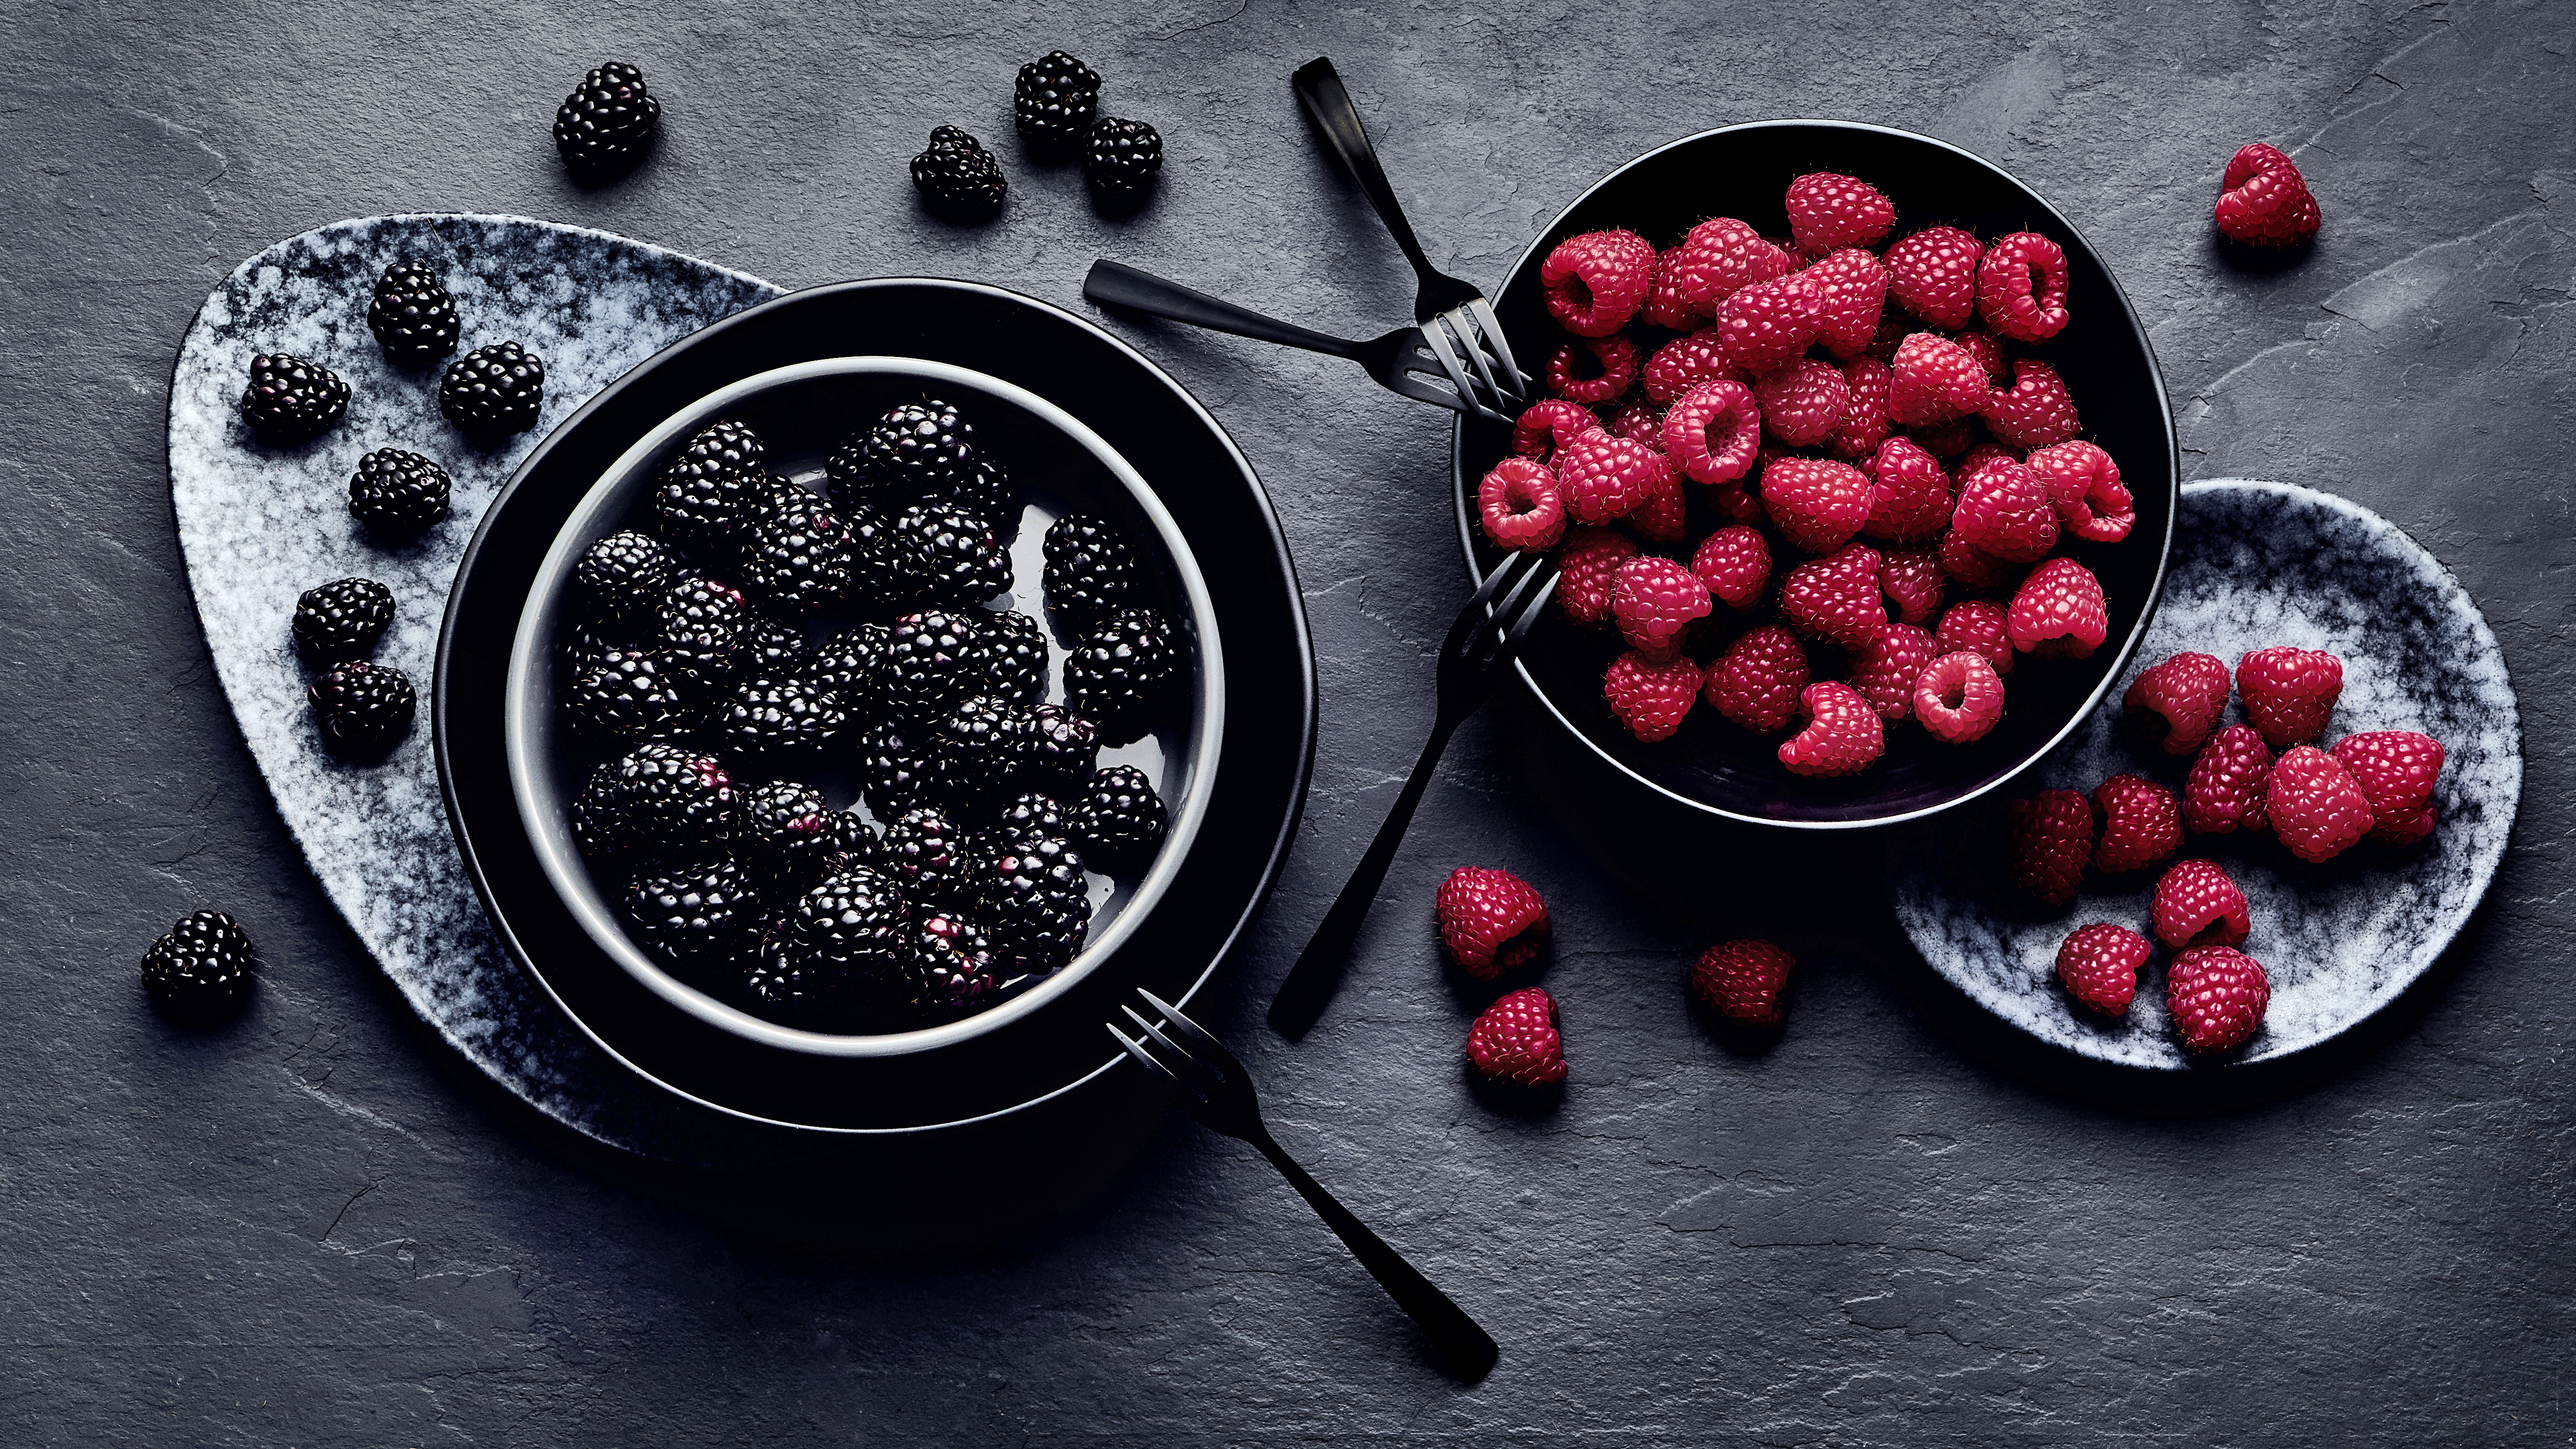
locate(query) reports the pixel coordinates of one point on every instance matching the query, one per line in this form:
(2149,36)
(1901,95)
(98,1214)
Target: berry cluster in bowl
(1825,485)
(752,647)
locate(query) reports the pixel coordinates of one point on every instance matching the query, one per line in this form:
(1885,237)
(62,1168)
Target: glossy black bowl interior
(1743,172)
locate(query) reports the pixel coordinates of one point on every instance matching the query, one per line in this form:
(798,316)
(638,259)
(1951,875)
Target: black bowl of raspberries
(1856,462)
(863,705)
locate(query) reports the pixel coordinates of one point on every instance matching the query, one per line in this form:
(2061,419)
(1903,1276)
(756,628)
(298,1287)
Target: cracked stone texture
(311,1228)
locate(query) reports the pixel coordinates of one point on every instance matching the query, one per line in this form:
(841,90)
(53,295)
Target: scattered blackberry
(608,122)
(960,559)
(657,796)
(1031,817)
(853,842)
(1060,750)
(884,571)
(894,775)
(976,749)
(590,646)
(494,390)
(926,850)
(918,450)
(1054,102)
(1014,658)
(777,716)
(786,832)
(986,492)
(396,494)
(342,620)
(623,695)
(1120,673)
(773,649)
(930,661)
(701,632)
(1120,820)
(796,558)
(364,709)
(848,663)
(290,399)
(412,315)
(704,497)
(703,909)
(200,972)
(959,179)
(1089,569)
(1036,904)
(1121,157)
(843,939)
(951,969)
(621,579)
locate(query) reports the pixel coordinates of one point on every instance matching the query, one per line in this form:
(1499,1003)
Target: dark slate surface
(312,1228)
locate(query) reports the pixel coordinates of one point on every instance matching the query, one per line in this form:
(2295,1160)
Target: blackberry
(961,560)
(930,662)
(976,749)
(588,647)
(364,709)
(848,664)
(397,495)
(957,178)
(1032,816)
(1036,903)
(772,648)
(1054,102)
(841,940)
(290,399)
(951,969)
(786,831)
(200,972)
(342,620)
(1121,673)
(701,632)
(885,572)
(704,497)
(1089,569)
(853,842)
(796,558)
(926,850)
(1120,820)
(1014,658)
(1121,158)
(494,390)
(918,450)
(621,579)
(777,716)
(623,695)
(608,122)
(657,796)
(987,492)
(696,910)
(412,315)
(894,775)
(1060,750)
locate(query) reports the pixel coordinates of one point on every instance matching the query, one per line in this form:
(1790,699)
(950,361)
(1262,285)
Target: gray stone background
(311,1229)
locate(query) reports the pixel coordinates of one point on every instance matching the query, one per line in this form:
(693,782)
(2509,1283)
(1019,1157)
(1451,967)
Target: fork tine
(1412,386)
(1530,616)
(1464,334)
(1499,580)
(1496,637)
(1191,1032)
(1137,1050)
(1438,337)
(1202,1079)
(1490,331)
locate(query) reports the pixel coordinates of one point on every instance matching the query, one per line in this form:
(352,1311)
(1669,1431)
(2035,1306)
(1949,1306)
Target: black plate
(1266,754)
(1743,171)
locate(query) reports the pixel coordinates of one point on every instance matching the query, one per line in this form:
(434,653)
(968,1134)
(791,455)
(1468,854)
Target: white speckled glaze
(2256,564)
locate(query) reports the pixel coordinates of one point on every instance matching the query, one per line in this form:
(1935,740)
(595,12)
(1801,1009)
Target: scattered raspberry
(2099,966)
(1743,981)
(1520,506)
(1550,424)
(1828,210)
(1639,423)
(1947,441)
(2141,824)
(1802,403)
(1736,565)
(2035,411)
(2289,693)
(2263,201)
(2314,804)
(2216,996)
(2197,905)
(1516,1040)
(1864,426)
(1988,349)
(1982,454)
(1587,565)
(2396,770)
(1910,496)
(1933,380)
(1491,921)
(1596,282)
(1933,274)
(1851,290)
(1885,672)
(1719,258)
(2177,703)
(1664,517)
(1959,697)
(1975,570)
(2058,612)
(2021,287)
(1769,323)
(2052,838)
(1816,503)
(1650,696)
(2084,485)
(1653,600)
(2003,511)
(2224,791)
(1912,580)
(1714,431)
(1836,598)
(1605,477)
(1977,626)
(1756,682)
(1593,370)
(1735,502)
(1666,306)
(1843,734)
(1685,363)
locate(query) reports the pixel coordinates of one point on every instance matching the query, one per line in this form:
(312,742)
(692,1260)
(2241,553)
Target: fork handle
(1468,1348)
(1116,284)
(1319,88)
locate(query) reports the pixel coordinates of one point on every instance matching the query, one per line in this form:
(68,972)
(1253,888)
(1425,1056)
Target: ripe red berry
(2196,904)
(2177,703)
(1851,293)
(1491,920)
(1769,323)
(1977,626)
(1736,565)
(1516,1040)
(2003,511)
(2224,792)
(1976,571)
(1587,566)
(1744,982)
(1864,426)
(1550,424)
(1933,380)
(1988,349)
(1756,682)
(1685,363)
(2141,824)
(1912,580)
(2084,485)
(1651,697)
(2216,996)
(1816,503)
(1653,600)
(1802,403)
(1843,734)
(1910,498)
(2035,412)
(2021,287)
(1836,598)
(1829,210)
(1605,477)
(2099,964)
(1596,282)
(2396,770)
(2289,693)
(2052,839)
(1520,506)
(1933,274)
(1593,370)
(1714,431)
(1886,672)
(1639,422)
(1719,258)
(2058,612)
(1959,697)
(2314,804)
(2263,201)
(1663,518)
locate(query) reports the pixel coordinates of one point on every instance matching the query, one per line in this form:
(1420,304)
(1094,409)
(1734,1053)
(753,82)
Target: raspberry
(1714,431)
(1603,477)
(1836,598)
(1910,495)
(1651,697)
(2263,201)
(1817,504)
(1851,293)
(2313,803)
(2099,966)
(1977,626)
(2225,788)
(1864,426)
(1974,569)
(1664,517)
(1520,506)
(1912,580)
(1550,424)
(1516,1041)
(1769,323)
(1719,258)
(2197,905)
(2404,829)
(1638,422)
(1685,363)
(1802,403)
(2004,512)
(2289,693)
(1946,441)
(2058,612)
(1735,564)
(1491,921)
(1743,982)
(1828,210)
(2216,996)
(1653,600)
(2396,770)
(1843,734)
(1756,682)
(2177,703)
(2021,287)
(1933,274)
(1587,564)
(1667,306)
(1593,370)
(2052,838)
(2084,486)
(2035,411)
(1958,697)
(1596,282)
(1885,672)
(1988,349)
(1933,380)
(2141,824)
(1736,503)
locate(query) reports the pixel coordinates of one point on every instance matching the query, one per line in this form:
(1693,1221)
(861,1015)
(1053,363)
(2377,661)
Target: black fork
(1473,660)
(1214,1088)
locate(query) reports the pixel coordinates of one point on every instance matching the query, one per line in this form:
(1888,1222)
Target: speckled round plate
(2257,564)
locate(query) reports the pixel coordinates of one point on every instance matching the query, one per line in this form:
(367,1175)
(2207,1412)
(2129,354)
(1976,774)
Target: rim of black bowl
(1462,489)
